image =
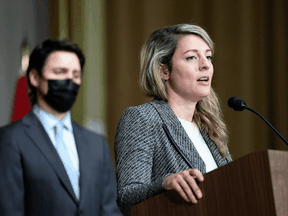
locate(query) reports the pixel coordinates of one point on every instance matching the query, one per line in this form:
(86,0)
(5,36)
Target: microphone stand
(268,123)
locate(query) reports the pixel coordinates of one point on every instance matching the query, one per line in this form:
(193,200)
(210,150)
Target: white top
(199,143)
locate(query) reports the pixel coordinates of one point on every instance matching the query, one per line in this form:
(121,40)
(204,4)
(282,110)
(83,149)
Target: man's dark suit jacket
(33,180)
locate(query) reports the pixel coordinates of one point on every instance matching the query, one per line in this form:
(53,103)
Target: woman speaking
(170,142)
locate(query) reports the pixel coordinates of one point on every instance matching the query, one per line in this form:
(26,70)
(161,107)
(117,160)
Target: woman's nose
(204,64)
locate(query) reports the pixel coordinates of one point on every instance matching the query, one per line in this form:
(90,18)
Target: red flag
(21,105)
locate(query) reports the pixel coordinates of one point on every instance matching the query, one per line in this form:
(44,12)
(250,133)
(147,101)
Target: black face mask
(61,94)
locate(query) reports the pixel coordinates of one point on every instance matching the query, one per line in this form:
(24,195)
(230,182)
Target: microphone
(237,104)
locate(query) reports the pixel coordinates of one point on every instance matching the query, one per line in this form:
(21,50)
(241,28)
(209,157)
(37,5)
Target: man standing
(49,165)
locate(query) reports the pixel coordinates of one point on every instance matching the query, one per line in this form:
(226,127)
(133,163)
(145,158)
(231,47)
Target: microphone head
(236,103)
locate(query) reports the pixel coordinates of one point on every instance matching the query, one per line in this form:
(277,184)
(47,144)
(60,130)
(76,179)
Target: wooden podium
(256,184)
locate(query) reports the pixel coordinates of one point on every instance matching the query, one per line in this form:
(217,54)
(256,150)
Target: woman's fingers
(185,184)
(180,188)
(188,184)
(196,174)
(193,186)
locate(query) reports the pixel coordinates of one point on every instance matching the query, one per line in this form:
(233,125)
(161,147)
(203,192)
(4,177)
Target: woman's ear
(34,78)
(164,71)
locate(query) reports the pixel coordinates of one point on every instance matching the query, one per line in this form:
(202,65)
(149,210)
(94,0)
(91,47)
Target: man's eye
(77,74)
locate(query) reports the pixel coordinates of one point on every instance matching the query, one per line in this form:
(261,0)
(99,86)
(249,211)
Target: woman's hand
(185,184)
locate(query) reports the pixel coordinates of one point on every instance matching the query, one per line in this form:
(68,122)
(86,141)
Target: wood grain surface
(243,187)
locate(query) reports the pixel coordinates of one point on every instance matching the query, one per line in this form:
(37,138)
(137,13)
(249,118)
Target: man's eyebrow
(60,68)
(65,69)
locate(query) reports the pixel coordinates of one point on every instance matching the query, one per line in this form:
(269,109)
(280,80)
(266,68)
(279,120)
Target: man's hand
(185,184)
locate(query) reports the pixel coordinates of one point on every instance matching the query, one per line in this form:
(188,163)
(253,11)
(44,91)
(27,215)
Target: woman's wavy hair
(159,50)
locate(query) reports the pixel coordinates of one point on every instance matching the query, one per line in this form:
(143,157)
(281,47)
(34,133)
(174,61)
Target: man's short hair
(41,53)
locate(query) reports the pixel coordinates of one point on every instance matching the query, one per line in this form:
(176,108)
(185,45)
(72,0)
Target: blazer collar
(180,139)
(220,161)
(36,132)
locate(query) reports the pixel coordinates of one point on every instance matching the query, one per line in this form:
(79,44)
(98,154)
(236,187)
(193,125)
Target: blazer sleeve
(11,177)
(134,153)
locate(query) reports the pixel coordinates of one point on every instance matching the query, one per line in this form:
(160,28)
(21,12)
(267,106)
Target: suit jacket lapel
(36,132)
(179,135)
(84,155)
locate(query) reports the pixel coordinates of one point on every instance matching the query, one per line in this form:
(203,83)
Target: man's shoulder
(11,128)
(16,130)
(89,140)
(84,132)
(17,125)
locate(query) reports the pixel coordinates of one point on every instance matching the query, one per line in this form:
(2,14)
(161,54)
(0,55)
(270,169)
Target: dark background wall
(251,40)
(250,60)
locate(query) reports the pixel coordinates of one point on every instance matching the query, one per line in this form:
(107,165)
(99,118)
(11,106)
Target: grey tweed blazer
(150,144)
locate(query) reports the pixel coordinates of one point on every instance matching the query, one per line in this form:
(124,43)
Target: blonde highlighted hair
(159,50)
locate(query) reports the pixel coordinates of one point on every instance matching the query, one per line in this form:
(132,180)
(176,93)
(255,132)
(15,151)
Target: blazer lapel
(220,161)
(180,139)
(36,132)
